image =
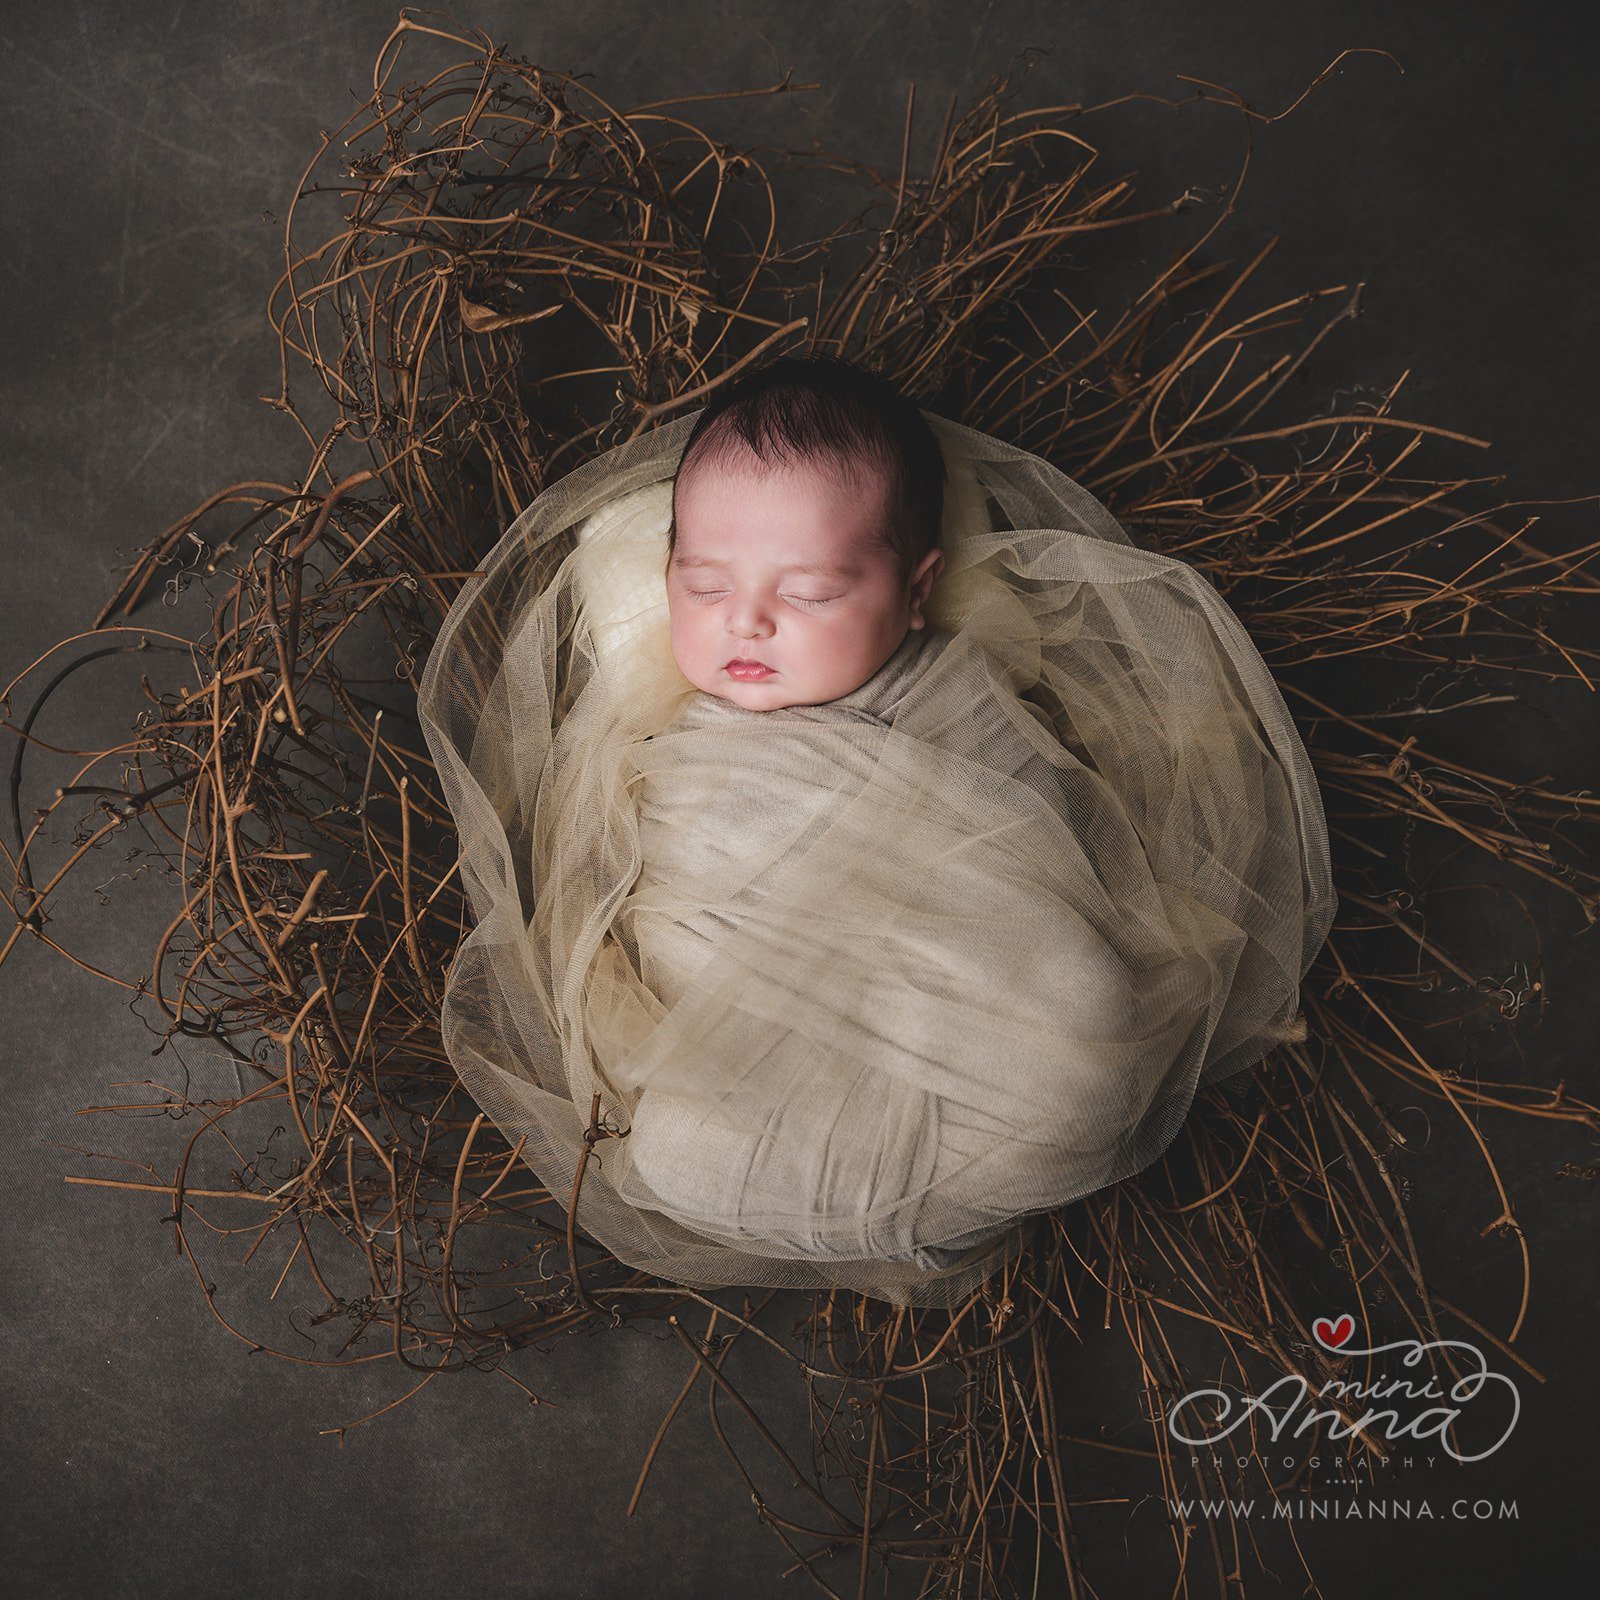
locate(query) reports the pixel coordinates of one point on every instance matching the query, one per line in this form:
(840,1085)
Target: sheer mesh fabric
(867,985)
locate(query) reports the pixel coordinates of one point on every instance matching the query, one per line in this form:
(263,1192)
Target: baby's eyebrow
(812,568)
(816,571)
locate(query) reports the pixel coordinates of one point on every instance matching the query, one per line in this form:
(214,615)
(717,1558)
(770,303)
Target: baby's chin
(773,694)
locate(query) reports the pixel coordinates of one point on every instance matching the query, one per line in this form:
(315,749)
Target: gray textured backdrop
(147,1453)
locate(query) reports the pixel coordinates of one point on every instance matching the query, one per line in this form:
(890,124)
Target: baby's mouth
(739,668)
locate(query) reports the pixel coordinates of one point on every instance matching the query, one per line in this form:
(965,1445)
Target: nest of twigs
(513,275)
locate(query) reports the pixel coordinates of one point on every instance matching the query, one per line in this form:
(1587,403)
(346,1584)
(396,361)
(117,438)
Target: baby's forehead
(790,511)
(726,471)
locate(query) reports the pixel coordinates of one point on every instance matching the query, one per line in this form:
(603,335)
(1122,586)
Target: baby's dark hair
(802,408)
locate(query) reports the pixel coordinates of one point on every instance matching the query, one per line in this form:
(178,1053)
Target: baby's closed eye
(707,596)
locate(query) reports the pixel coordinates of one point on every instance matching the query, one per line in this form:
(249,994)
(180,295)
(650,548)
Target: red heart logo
(1333,1334)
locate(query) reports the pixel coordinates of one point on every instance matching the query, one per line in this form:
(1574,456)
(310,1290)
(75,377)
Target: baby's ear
(922,581)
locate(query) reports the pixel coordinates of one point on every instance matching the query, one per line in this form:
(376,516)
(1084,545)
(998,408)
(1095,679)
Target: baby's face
(739,588)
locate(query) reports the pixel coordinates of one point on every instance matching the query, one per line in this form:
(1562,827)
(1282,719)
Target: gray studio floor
(147,1453)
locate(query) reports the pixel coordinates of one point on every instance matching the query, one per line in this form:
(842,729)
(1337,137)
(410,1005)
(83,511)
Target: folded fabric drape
(864,986)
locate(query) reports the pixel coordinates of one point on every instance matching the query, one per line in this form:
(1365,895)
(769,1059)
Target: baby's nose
(749,622)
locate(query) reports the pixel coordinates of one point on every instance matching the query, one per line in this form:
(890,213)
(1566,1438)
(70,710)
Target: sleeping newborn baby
(792,582)
(849,829)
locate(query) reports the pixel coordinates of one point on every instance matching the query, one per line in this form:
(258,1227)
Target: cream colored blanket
(900,1001)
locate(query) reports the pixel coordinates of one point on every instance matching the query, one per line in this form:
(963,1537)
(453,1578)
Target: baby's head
(805,533)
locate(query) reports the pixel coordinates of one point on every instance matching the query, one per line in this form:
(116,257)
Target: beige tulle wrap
(863,986)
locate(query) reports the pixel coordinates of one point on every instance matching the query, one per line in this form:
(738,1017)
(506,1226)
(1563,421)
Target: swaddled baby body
(844,1069)
(836,1069)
